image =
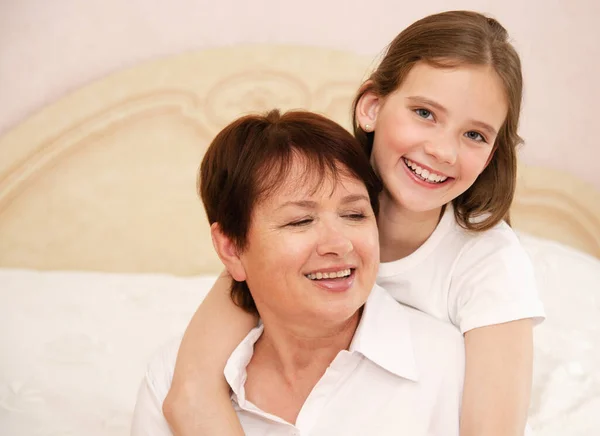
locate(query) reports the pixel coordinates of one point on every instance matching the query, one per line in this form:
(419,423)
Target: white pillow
(566,394)
(75,346)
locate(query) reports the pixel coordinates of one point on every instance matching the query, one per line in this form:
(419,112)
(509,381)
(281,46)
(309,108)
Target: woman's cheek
(294,243)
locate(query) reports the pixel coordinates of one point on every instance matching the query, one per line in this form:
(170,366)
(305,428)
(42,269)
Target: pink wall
(46,51)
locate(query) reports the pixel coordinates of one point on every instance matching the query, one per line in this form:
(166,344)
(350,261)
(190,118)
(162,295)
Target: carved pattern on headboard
(555,205)
(104,179)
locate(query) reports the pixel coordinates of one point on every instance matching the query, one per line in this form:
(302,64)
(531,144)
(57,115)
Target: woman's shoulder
(160,369)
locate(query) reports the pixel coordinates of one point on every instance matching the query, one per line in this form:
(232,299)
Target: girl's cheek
(475,159)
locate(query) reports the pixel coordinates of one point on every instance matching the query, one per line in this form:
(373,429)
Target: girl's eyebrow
(426,101)
(484,126)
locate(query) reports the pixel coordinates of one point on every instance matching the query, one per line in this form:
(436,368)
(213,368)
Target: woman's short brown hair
(446,40)
(250,158)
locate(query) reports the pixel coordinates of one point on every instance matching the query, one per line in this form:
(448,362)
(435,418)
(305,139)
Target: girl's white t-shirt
(471,279)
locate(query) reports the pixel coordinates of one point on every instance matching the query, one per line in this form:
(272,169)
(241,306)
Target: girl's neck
(401,231)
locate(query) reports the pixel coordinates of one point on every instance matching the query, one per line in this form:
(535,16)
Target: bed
(105,250)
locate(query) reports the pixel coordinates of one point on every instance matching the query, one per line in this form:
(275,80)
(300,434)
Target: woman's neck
(289,361)
(402,232)
(298,351)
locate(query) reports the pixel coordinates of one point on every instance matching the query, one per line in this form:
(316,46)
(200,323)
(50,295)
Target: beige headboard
(104,179)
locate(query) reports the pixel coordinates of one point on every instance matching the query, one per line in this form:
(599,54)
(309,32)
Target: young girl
(439,117)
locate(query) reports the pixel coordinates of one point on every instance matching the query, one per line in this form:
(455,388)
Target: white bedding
(74,345)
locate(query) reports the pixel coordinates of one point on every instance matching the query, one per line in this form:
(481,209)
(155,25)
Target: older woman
(292,201)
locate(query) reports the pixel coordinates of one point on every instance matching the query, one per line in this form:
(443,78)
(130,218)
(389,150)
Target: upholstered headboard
(105,178)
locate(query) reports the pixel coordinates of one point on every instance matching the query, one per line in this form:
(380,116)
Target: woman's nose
(333,241)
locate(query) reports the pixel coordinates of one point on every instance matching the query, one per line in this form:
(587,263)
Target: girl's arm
(498,376)
(198,402)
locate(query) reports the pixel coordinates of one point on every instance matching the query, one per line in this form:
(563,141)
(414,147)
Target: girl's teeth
(425,174)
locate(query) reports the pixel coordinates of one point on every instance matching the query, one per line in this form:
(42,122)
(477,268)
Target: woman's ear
(228,253)
(367,109)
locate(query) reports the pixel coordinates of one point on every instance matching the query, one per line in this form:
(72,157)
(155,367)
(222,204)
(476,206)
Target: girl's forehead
(474,91)
(465,77)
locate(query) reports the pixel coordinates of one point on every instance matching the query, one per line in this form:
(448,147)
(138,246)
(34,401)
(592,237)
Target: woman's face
(435,134)
(312,250)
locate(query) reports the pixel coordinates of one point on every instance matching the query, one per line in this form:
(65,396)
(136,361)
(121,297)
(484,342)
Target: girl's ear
(367,110)
(228,253)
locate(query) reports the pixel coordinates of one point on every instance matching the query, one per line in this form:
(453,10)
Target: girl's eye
(301,223)
(424,113)
(475,136)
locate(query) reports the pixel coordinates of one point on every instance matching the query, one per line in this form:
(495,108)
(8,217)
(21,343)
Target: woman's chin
(338,312)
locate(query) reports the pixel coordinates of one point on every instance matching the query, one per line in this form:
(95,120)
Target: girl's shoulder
(451,246)
(465,247)
(493,280)
(498,244)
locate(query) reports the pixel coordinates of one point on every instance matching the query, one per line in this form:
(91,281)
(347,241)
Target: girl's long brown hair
(451,39)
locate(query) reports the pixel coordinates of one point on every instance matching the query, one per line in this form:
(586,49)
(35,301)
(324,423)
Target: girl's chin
(411,204)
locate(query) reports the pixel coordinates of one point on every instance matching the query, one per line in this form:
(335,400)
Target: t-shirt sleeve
(148,419)
(493,282)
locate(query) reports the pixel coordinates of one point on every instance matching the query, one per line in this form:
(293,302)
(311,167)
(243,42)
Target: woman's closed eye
(355,216)
(352,216)
(300,222)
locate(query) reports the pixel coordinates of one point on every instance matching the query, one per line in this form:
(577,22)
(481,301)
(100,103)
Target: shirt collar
(235,369)
(382,336)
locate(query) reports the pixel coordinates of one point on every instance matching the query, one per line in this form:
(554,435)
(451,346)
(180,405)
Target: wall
(50,48)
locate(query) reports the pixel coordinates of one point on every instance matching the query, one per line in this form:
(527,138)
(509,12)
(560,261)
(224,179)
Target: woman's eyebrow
(304,204)
(310,204)
(352,198)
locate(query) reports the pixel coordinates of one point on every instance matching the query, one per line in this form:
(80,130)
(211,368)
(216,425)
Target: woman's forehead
(315,184)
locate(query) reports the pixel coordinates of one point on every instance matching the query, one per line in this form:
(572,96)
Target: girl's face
(435,134)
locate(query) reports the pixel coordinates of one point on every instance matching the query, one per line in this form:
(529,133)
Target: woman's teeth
(329,275)
(424,174)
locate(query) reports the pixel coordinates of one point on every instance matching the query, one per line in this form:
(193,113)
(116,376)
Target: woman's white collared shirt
(403,374)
